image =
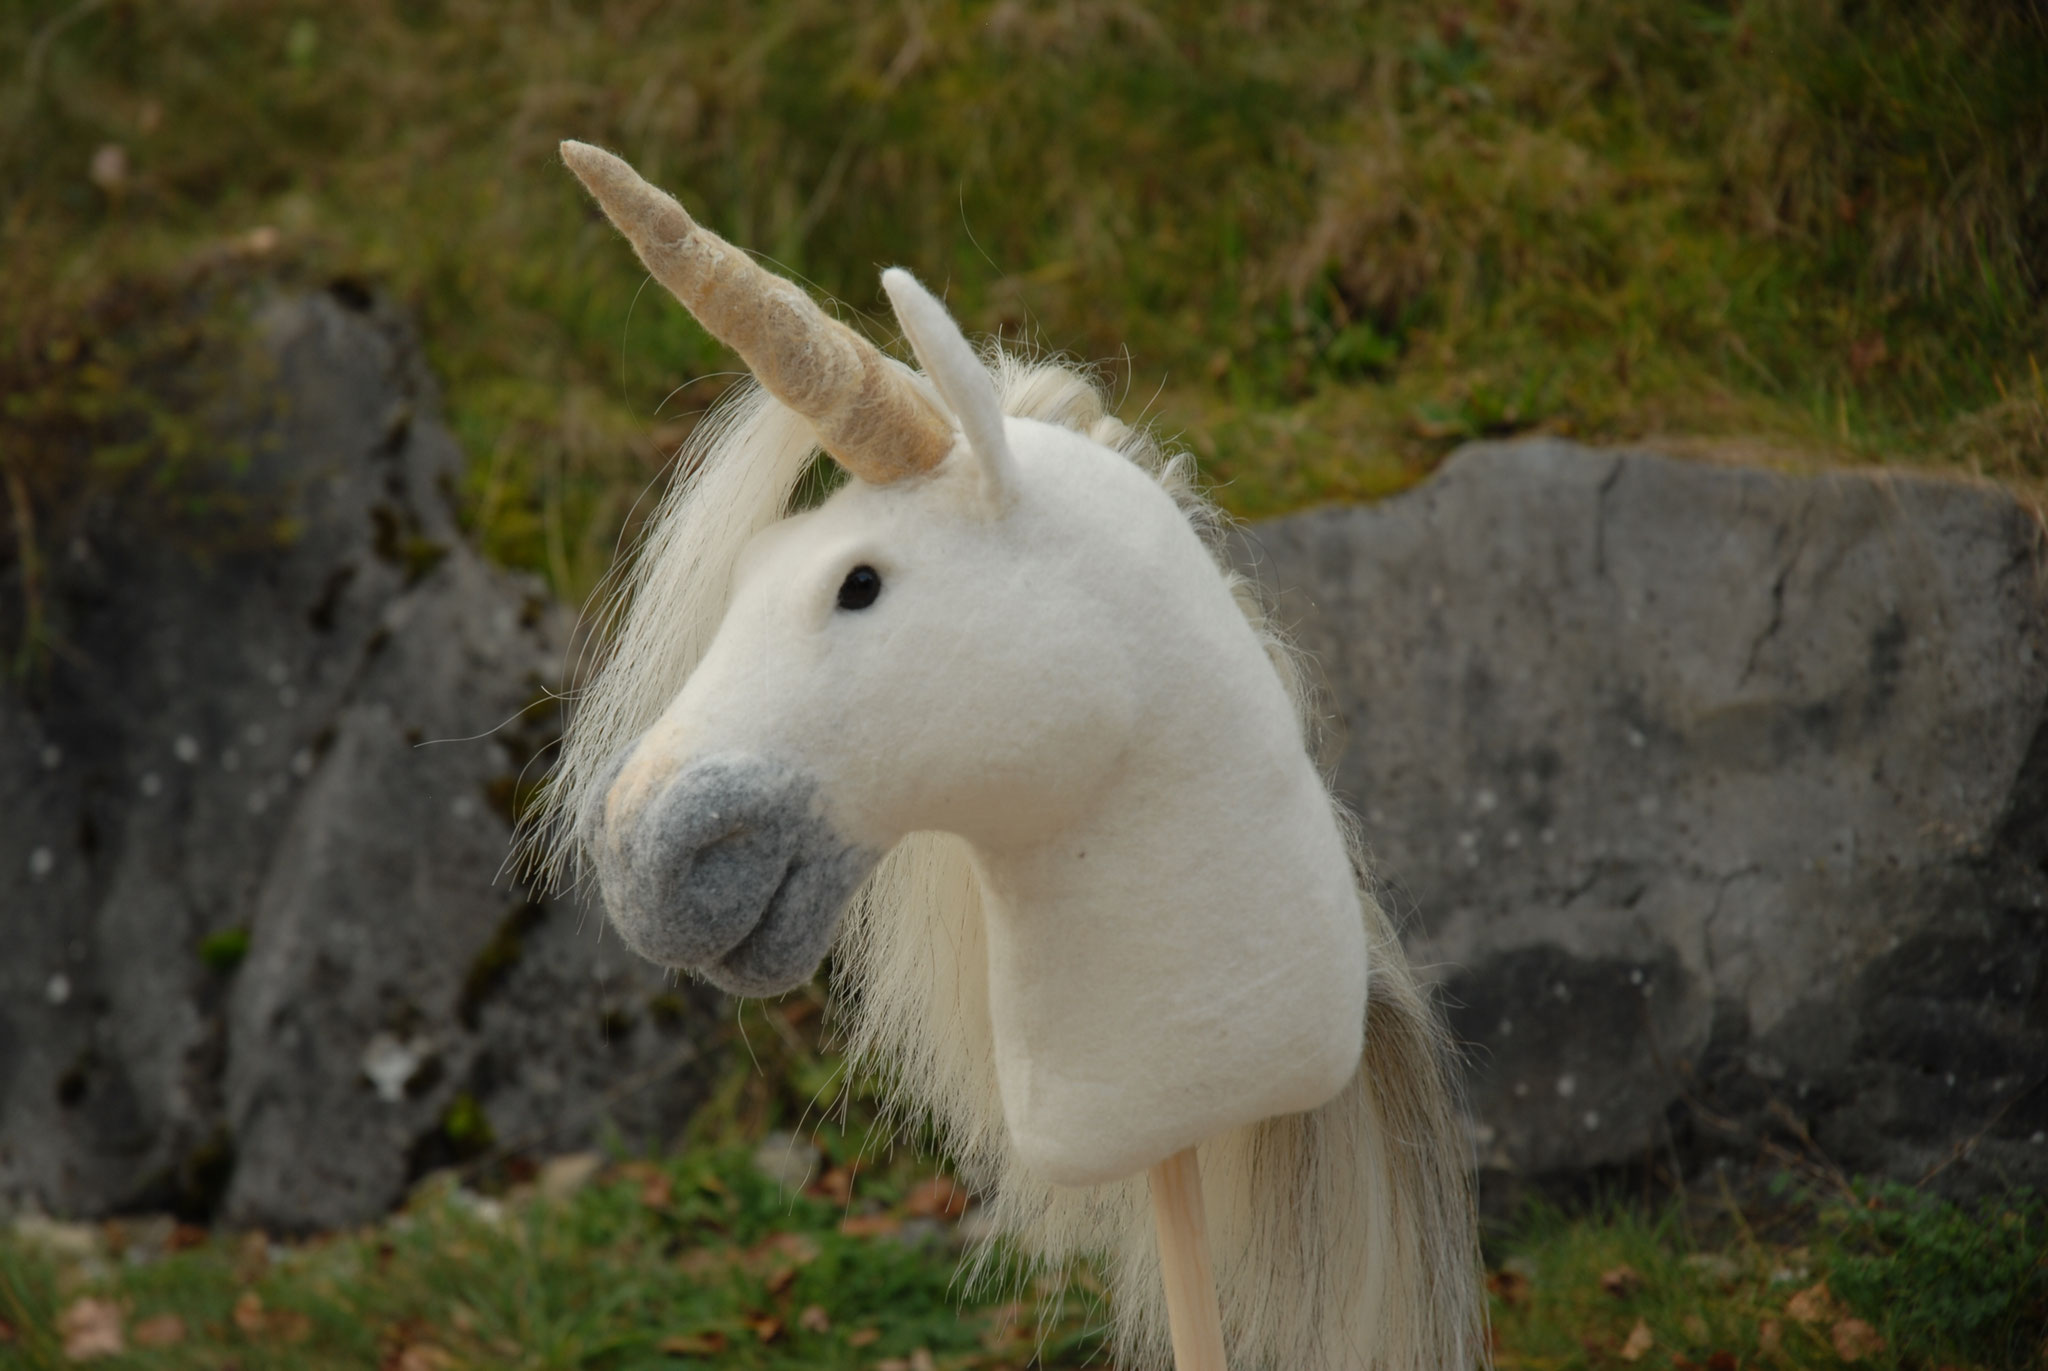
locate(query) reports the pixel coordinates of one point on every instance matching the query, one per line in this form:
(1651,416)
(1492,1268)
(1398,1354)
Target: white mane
(1342,1236)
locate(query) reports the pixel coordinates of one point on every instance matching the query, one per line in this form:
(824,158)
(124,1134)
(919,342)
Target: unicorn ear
(959,376)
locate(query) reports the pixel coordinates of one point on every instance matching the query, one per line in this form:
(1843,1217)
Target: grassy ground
(1324,241)
(777,1238)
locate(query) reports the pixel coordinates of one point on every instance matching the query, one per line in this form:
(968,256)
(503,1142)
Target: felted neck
(1187,957)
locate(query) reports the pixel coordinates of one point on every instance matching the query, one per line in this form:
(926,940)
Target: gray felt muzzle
(733,873)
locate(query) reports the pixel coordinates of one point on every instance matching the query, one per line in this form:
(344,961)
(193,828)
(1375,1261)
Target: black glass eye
(859,589)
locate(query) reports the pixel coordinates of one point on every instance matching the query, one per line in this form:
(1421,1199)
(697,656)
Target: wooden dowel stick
(1191,1310)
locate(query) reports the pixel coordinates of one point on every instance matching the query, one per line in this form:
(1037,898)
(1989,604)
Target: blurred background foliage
(1322,242)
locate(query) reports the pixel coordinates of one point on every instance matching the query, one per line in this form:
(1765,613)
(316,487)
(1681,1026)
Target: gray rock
(1718,799)
(313,736)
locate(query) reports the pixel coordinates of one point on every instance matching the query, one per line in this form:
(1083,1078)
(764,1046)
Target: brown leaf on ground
(920,1360)
(1815,1304)
(185,1237)
(1854,1339)
(710,1344)
(1511,1286)
(422,1356)
(940,1197)
(836,1184)
(160,1330)
(656,1189)
(1770,1337)
(870,1225)
(1004,1325)
(559,1178)
(800,1248)
(703,1261)
(779,1279)
(861,1337)
(1640,1340)
(1621,1281)
(288,1325)
(92,1328)
(814,1319)
(252,1255)
(766,1327)
(249,1313)
(1868,353)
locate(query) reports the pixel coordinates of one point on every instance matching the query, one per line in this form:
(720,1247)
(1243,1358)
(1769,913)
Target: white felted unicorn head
(995,720)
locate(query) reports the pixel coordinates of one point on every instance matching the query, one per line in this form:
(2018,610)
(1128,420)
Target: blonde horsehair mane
(1343,1236)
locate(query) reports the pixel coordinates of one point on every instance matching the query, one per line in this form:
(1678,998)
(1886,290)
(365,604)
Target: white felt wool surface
(1117,914)
(1175,943)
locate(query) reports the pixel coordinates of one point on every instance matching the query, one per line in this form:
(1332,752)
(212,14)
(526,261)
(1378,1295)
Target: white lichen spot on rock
(1591,1120)
(279,673)
(1485,801)
(58,990)
(258,802)
(390,1063)
(151,786)
(1567,1086)
(230,760)
(41,863)
(254,735)
(186,749)
(302,763)
(53,757)
(463,807)
(287,697)
(1636,738)
(1647,806)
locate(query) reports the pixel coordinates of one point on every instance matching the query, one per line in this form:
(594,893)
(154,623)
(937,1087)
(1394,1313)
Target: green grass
(702,1256)
(1323,241)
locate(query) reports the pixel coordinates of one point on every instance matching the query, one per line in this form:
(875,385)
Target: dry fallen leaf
(249,1313)
(1854,1339)
(861,1337)
(779,1279)
(693,1344)
(869,1225)
(423,1356)
(837,1184)
(766,1327)
(939,1197)
(1511,1286)
(1815,1304)
(91,1328)
(1640,1340)
(814,1319)
(800,1248)
(703,1261)
(160,1330)
(1770,1337)
(1621,1281)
